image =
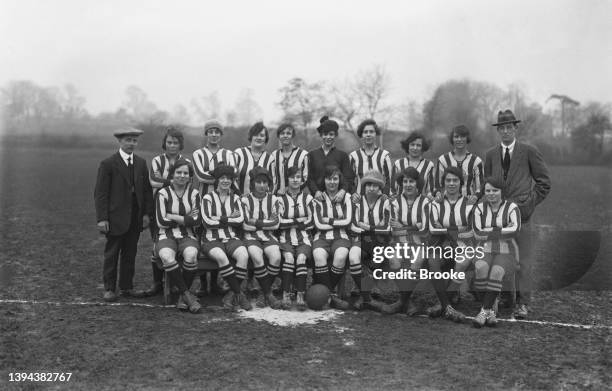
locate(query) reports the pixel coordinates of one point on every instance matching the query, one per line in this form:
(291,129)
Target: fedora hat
(127,131)
(506,117)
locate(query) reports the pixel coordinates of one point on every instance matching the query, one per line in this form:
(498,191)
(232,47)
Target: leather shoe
(131,293)
(154,290)
(109,296)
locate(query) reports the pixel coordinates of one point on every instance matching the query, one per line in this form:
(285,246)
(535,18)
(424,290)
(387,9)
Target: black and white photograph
(291,195)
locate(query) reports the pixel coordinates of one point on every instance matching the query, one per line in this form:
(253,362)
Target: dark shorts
(177,245)
(330,245)
(228,247)
(297,250)
(261,244)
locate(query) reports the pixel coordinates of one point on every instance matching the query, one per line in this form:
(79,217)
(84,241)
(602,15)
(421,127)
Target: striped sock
(321,276)
(335,276)
(287,276)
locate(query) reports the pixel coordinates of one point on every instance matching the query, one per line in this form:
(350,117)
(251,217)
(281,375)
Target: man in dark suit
(526,183)
(124,206)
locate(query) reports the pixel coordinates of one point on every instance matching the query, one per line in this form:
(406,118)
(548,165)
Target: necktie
(506,162)
(131,169)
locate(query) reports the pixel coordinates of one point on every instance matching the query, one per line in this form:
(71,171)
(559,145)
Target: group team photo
(274,216)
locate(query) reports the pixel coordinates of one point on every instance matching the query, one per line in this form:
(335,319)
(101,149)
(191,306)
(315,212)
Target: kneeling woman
(409,222)
(178,212)
(222,214)
(496,224)
(261,220)
(371,224)
(332,220)
(295,224)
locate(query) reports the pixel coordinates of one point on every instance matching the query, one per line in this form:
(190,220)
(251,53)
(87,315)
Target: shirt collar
(125,156)
(510,147)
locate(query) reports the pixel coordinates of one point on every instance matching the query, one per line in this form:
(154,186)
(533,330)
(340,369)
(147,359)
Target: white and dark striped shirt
(292,208)
(472,169)
(377,216)
(218,225)
(452,217)
(414,219)
(205,162)
(245,162)
(496,231)
(167,201)
(340,216)
(159,173)
(379,160)
(263,211)
(426,173)
(281,164)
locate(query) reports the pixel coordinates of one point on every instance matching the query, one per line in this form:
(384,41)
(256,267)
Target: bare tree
(138,104)
(372,87)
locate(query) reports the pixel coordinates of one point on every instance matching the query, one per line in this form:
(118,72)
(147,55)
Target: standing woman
(159,176)
(332,219)
(286,157)
(409,222)
(450,226)
(255,155)
(260,222)
(295,224)
(177,208)
(223,215)
(371,219)
(370,157)
(415,145)
(205,160)
(496,224)
(459,156)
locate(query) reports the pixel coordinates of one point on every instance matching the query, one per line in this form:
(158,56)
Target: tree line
(567,132)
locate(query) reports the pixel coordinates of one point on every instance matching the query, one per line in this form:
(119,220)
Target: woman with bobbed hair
(286,157)
(415,145)
(177,208)
(255,155)
(370,157)
(496,223)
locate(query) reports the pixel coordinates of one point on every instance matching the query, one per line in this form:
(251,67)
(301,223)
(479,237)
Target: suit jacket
(113,193)
(528,182)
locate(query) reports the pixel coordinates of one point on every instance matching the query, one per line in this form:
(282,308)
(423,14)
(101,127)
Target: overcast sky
(178,50)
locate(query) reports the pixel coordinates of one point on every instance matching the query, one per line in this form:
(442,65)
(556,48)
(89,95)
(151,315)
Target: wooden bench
(205,264)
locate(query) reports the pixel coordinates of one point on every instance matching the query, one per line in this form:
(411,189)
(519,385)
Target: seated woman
(409,223)
(261,220)
(331,220)
(449,225)
(370,228)
(496,223)
(295,224)
(223,214)
(178,212)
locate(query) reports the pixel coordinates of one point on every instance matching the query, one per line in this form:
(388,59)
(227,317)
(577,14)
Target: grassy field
(51,251)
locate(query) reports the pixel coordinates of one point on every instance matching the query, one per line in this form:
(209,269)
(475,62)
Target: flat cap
(127,131)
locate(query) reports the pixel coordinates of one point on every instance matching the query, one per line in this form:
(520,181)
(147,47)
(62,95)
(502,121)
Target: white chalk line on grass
(144,305)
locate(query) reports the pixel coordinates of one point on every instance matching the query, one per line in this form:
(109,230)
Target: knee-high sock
(241,274)
(287,276)
(188,276)
(489,299)
(301,273)
(263,278)
(176,279)
(228,274)
(335,276)
(440,287)
(321,276)
(158,274)
(214,275)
